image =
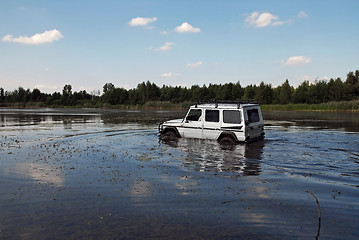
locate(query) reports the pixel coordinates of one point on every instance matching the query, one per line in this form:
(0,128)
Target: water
(104,174)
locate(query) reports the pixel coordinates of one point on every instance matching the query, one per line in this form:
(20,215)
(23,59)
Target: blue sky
(87,43)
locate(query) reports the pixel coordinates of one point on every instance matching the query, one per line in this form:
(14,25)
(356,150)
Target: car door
(211,124)
(254,123)
(193,124)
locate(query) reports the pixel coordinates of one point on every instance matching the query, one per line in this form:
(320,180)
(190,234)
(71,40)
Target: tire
(227,140)
(169,135)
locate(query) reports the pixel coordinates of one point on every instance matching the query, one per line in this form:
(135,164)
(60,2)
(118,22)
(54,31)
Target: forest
(149,95)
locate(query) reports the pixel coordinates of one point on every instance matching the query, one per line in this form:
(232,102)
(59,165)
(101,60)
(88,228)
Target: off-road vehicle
(226,122)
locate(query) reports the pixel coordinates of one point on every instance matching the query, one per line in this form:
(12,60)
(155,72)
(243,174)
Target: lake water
(104,174)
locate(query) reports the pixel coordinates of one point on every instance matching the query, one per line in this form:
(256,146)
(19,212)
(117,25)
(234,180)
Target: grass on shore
(167,105)
(329,106)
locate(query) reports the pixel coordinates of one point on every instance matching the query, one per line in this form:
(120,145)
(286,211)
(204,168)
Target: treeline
(321,91)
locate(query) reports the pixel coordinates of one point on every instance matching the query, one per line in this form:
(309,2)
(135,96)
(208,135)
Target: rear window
(212,116)
(253,115)
(231,116)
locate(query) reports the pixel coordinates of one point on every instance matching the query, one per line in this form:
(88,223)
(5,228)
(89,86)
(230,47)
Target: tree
(249,92)
(133,97)
(301,94)
(352,84)
(226,91)
(264,93)
(35,95)
(20,94)
(2,94)
(318,92)
(276,93)
(351,78)
(66,98)
(142,93)
(67,89)
(183,94)
(237,91)
(118,96)
(285,94)
(213,91)
(336,90)
(154,92)
(108,87)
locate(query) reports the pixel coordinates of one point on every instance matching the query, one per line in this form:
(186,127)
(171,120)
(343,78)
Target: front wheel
(169,135)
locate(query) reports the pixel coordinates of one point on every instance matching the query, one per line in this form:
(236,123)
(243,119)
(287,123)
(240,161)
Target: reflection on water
(319,120)
(24,117)
(41,173)
(210,156)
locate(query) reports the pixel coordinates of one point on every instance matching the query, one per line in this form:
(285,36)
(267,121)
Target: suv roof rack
(216,102)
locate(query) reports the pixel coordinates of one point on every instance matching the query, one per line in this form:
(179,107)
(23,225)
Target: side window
(253,115)
(231,116)
(194,115)
(212,116)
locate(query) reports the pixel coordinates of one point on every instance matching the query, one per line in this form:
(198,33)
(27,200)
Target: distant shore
(329,106)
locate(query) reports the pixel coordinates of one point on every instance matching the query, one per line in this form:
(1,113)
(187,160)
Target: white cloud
(297,60)
(166,47)
(194,65)
(186,27)
(140,21)
(302,14)
(168,75)
(38,38)
(263,20)
(278,23)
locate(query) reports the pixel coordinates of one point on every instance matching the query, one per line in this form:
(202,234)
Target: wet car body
(226,122)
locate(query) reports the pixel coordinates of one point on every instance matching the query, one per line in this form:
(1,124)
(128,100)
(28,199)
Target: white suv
(226,122)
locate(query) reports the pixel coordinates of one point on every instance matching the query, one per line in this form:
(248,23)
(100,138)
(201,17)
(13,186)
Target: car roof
(224,105)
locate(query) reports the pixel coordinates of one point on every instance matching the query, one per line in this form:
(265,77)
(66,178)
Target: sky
(88,43)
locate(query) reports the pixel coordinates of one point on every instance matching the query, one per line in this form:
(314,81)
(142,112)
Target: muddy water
(92,174)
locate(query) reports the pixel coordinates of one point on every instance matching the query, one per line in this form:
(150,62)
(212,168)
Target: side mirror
(246,122)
